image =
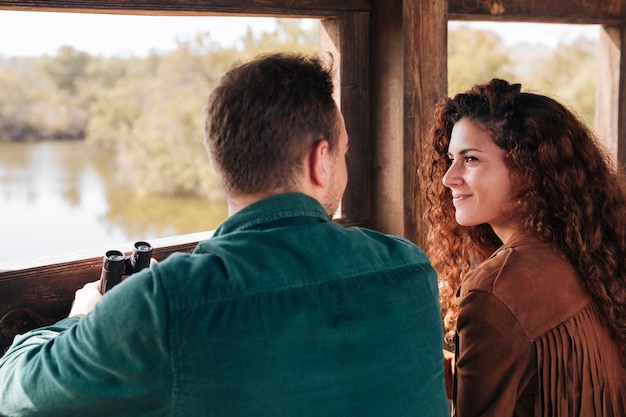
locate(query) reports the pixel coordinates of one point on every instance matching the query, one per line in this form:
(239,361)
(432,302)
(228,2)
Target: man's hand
(86,299)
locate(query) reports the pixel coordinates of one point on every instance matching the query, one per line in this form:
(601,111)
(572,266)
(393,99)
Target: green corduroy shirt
(280,313)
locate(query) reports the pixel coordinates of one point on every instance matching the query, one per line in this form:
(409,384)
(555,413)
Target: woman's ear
(319,169)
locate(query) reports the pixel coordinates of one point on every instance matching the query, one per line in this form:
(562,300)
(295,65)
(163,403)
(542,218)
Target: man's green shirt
(281,313)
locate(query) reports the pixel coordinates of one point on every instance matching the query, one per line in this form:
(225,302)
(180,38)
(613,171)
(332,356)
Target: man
(281,313)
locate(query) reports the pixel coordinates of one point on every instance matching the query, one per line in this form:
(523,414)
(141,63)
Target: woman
(527,232)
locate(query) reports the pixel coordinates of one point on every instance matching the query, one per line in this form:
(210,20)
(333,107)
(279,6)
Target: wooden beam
(561,11)
(620,109)
(387,115)
(611,92)
(607,90)
(409,63)
(425,83)
(300,8)
(347,39)
(545,11)
(41,295)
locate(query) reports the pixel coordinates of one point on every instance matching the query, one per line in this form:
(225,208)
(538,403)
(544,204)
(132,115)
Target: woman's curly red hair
(568,192)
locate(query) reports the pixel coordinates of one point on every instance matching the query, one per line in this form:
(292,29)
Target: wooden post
(347,39)
(425,48)
(611,92)
(387,116)
(409,63)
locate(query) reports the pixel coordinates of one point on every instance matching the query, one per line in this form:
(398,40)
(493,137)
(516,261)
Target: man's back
(282,313)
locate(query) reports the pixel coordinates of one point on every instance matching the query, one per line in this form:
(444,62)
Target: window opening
(554,59)
(101,126)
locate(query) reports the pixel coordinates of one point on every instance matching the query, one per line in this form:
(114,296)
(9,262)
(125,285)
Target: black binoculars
(115,265)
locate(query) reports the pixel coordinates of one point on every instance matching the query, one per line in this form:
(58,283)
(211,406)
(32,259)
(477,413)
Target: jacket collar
(519,238)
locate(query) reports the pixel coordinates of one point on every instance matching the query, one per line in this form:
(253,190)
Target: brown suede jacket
(530,341)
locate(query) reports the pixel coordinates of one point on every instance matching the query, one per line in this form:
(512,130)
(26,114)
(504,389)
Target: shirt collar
(273,208)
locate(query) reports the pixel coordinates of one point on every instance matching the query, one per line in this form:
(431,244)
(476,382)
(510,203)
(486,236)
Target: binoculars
(115,265)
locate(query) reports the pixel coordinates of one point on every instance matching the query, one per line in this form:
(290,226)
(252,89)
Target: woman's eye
(470,158)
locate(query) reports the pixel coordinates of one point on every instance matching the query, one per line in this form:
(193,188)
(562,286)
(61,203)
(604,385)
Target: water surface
(59,197)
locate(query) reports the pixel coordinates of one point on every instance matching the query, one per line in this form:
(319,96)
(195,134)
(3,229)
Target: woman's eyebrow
(465,151)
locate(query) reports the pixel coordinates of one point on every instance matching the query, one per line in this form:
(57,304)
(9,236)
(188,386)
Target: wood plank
(42,294)
(347,39)
(387,115)
(619,111)
(293,8)
(562,11)
(611,92)
(607,90)
(425,83)
(545,11)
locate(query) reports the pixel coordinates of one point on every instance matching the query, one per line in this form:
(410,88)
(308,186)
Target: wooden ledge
(40,292)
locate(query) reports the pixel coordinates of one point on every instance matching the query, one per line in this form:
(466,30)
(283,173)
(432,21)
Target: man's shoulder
(182,264)
(264,259)
(376,237)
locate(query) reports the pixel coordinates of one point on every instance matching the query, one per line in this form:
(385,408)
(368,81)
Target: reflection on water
(58,197)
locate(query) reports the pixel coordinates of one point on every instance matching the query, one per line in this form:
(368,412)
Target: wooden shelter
(392,57)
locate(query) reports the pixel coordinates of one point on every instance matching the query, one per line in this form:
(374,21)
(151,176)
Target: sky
(39,33)
(535,33)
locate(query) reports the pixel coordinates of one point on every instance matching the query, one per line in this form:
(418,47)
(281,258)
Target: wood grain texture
(562,11)
(546,11)
(183,7)
(347,38)
(387,116)
(620,135)
(41,295)
(608,87)
(425,83)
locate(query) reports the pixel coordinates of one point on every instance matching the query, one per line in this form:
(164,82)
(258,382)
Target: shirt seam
(420,267)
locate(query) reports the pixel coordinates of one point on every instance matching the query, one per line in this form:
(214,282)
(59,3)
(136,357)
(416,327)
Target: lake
(59,197)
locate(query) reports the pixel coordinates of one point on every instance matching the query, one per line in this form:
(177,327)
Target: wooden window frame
(40,292)
(391,57)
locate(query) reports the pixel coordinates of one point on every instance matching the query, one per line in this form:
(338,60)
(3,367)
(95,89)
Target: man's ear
(318,164)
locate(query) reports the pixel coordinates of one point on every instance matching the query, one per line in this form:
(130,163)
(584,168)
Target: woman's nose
(451,177)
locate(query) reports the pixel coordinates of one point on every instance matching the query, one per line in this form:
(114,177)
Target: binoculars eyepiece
(115,264)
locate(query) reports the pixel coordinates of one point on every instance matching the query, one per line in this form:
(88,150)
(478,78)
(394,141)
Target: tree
(151,116)
(567,72)
(475,56)
(573,78)
(67,68)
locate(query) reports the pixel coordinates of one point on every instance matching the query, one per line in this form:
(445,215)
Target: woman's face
(479,179)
